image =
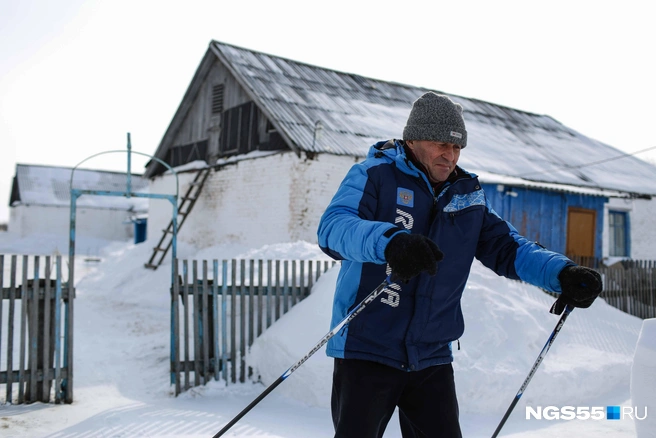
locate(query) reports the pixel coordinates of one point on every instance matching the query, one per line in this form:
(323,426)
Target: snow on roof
(491,178)
(321,110)
(50,185)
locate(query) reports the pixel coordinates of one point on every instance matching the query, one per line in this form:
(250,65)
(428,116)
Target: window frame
(614,229)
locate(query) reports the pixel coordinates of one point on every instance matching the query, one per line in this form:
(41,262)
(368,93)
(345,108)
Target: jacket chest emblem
(405,197)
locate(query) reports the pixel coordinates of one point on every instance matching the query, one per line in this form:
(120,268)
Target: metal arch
(67,384)
(129,176)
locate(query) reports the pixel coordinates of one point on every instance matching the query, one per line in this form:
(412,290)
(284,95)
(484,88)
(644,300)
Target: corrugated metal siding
(541,215)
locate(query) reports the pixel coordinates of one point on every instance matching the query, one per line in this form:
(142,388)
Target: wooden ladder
(187,202)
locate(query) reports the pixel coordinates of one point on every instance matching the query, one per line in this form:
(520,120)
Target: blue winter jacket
(411,326)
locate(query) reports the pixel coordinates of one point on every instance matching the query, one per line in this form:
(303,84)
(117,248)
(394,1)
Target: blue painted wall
(541,215)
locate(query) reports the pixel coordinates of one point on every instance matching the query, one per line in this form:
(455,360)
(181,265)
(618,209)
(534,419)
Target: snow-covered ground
(122,359)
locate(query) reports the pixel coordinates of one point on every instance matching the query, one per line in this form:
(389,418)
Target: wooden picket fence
(36,316)
(630,286)
(218,308)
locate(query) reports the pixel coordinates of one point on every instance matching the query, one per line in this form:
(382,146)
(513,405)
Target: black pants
(365,395)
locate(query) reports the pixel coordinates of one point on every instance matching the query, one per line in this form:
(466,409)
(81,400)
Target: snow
(643,375)
(492,178)
(122,386)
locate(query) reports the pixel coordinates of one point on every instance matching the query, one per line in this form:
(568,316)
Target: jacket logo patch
(404,219)
(405,197)
(393,298)
(460,202)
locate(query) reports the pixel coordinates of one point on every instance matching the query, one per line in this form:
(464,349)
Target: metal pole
(536,364)
(352,314)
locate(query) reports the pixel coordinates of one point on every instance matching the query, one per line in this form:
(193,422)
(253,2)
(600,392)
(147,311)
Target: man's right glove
(409,255)
(580,286)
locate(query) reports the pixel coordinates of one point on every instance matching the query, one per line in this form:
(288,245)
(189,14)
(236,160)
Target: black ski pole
(536,364)
(352,314)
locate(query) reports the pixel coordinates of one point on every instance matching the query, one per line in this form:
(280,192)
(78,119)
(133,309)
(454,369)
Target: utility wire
(578,166)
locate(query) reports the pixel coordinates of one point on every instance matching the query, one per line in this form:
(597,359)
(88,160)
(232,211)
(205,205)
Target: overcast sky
(77,75)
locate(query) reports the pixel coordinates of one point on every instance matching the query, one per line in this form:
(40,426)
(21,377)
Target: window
(183,154)
(618,227)
(239,133)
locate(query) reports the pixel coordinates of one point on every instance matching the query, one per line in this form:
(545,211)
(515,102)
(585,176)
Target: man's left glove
(408,255)
(580,287)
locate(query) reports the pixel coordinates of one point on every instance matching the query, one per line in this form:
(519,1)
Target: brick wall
(254,202)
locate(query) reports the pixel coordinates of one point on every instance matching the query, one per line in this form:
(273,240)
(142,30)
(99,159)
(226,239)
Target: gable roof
(325,111)
(50,186)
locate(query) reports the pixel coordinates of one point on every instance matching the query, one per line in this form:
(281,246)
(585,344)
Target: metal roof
(50,186)
(321,110)
(325,111)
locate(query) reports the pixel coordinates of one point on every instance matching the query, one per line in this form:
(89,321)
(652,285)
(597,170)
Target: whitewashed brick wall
(642,217)
(280,198)
(255,202)
(643,229)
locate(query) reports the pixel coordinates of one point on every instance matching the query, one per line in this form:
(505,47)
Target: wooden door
(581,232)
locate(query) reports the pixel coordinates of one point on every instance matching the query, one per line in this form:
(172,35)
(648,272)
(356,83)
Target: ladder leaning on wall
(187,202)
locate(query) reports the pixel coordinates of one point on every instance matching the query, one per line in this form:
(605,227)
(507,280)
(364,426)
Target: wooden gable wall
(207,134)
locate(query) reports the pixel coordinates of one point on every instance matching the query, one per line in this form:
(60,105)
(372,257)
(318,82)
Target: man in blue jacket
(402,210)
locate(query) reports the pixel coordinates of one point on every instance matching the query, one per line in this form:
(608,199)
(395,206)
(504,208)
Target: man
(402,210)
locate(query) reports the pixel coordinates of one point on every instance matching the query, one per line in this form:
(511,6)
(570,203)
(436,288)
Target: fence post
(233,323)
(652,285)
(215,313)
(175,323)
(286,292)
(48,327)
(270,299)
(185,304)
(206,324)
(10,330)
(242,321)
(21,359)
(251,302)
(224,317)
(58,349)
(260,297)
(277,300)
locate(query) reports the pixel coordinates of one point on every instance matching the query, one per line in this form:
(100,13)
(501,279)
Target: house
(279,135)
(40,202)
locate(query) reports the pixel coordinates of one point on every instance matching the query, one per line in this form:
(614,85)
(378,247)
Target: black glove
(580,286)
(409,255)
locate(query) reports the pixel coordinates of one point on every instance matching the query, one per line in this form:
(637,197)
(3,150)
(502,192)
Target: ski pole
(352,314)
(536,364)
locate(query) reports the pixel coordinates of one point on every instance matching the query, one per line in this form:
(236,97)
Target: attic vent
(217,99)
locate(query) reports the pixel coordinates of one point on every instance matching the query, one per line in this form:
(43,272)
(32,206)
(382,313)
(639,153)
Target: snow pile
(507,324)
(122,336)
(50,244)
(291,338)
(643,379)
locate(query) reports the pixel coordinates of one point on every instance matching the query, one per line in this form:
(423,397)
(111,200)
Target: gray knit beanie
(435,117)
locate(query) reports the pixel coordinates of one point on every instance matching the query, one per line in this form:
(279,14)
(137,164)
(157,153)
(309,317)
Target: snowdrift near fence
(507,324)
